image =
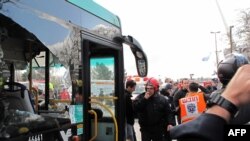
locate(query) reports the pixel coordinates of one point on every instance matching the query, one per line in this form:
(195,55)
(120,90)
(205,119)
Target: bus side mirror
(140,56)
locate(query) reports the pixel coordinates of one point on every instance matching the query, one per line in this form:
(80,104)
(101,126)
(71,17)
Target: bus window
(60,86)
(102,83)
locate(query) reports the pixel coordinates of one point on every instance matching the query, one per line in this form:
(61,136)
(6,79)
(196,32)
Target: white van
(140,88)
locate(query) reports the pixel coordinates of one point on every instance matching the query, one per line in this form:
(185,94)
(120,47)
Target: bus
(62,71)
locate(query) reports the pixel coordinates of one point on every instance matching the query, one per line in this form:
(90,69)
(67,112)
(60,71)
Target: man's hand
(169,127)
(147,95)
(238,89)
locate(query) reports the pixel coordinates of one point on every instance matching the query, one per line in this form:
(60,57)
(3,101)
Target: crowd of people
(188,110)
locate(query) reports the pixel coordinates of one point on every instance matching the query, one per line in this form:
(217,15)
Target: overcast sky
(175,34)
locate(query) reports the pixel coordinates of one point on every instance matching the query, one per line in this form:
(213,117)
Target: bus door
(103,97)
(103,88)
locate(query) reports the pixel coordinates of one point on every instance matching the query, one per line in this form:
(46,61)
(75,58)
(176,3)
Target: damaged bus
(62,71)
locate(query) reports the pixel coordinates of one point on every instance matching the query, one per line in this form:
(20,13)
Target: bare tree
(101,72)
(243,30)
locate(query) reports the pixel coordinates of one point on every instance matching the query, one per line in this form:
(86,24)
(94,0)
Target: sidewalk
(137,130)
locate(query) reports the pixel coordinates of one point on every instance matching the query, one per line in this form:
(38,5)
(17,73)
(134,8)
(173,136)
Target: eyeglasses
(150,88)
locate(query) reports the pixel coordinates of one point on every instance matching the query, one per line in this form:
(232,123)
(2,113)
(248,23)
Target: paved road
(137,130)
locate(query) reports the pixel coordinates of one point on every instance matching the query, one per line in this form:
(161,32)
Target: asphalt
(137,130)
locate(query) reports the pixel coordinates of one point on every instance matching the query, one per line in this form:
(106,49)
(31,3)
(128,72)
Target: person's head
(168,86)
(175,84)
(185,83)
(207,84)
(130,85)
(168,80)
(193,87)
(167,89)
(228,67)
(152,85)
(215,82)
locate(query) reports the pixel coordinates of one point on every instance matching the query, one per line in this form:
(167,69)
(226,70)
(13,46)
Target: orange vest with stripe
(191,106)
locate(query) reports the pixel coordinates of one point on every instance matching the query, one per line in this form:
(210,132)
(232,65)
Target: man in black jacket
(180,94)
(130,117)
(155,116)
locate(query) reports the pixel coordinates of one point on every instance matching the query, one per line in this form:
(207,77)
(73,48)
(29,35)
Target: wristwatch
(217,99)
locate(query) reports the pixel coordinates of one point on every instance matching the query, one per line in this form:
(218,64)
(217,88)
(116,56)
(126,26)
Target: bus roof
(98,10)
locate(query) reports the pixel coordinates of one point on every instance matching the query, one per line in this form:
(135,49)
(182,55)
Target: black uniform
(130,116)
(154,115)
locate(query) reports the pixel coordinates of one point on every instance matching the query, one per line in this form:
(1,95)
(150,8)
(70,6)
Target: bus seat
(17,96)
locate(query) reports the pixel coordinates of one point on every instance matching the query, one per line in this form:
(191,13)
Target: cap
(152,81)
(168,86)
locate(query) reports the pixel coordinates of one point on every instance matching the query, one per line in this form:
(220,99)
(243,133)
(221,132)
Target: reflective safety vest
(191,106)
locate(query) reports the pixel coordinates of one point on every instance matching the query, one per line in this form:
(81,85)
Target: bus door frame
(119,86)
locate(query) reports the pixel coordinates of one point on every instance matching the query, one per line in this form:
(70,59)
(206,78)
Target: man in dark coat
(130,116)
(180,94)
(154,114)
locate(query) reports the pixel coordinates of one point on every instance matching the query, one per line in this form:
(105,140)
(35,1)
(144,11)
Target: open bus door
(103,87)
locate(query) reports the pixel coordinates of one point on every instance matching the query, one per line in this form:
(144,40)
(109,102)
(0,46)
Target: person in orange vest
(193,104)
